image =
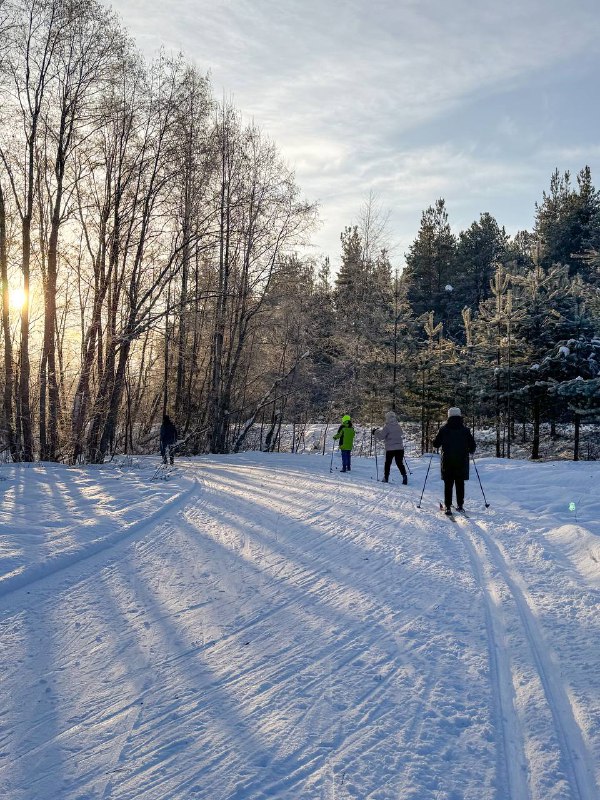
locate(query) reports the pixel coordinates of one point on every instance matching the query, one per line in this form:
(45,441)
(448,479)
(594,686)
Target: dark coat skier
(168,437)
(456,443)
(345,436)
(393,438)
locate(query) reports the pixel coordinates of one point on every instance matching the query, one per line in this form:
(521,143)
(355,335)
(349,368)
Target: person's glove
(373,431)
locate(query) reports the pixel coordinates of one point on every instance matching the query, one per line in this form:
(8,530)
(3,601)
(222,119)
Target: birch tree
(81,59)
(34,32)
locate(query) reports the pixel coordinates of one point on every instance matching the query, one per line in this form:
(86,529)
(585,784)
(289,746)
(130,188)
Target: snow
(256,626)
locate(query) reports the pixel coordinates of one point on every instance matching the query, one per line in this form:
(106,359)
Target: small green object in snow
(571,506)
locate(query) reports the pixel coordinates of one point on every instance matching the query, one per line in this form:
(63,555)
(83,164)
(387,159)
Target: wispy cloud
(414,98)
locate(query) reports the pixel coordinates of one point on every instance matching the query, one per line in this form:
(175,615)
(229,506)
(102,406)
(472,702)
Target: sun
(17,297)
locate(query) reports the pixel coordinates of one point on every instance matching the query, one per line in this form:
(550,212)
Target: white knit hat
(454,412)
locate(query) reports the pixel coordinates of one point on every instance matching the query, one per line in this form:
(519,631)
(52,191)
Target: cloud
(413,98)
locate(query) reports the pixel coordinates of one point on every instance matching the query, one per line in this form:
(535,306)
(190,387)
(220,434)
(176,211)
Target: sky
(404,100)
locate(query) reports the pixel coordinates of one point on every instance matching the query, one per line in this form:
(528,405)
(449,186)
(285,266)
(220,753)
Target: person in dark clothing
(168,437)
(456,443)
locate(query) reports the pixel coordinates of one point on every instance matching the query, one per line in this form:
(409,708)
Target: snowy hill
(258,627)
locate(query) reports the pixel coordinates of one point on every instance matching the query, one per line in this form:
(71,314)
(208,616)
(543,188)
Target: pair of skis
(163,472)
(451,515)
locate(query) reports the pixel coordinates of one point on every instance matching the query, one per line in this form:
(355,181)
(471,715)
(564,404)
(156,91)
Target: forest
(155,258)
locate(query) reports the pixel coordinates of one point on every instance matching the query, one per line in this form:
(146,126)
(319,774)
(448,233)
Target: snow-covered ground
(260,627)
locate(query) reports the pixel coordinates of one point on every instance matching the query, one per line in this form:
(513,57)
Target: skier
(168,437)
(391,434)
(345,435)
(456,443)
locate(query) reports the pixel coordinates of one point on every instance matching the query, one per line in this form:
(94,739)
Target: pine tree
(567,221)
(498,333)
(402,352)
(479,249)
(326,349)
(571,371)
(430,261)
(520,251)
(540,295)
(350,279)
(363,299)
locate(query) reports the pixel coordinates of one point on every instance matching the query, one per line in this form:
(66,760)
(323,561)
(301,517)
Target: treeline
(150,263)
(507,328)
(149,230)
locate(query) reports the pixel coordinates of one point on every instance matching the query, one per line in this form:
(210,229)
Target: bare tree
(194,216)
(148,254)
(7,404)
(373,224)
(262,219)
(81,58)
(104,204)
(154,231)
(32,42)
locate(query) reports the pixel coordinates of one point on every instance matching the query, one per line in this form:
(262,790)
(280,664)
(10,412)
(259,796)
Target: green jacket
(345,434)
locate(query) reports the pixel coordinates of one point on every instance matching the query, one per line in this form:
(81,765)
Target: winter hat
(454,412)
(346,418)
(391,416)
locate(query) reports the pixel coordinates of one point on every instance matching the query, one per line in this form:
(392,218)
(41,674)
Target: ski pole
(426,476)
(487,505)
(376,465)
(332,451)
(407,467)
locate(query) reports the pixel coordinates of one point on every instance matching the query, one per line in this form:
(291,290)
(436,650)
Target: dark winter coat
(168,433)
(456,443)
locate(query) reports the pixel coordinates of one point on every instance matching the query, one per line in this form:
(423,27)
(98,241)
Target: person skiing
(391,435)
(168,437)
(456,443)
(345,435)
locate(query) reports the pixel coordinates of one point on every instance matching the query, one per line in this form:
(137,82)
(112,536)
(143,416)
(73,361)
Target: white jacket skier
(393,438)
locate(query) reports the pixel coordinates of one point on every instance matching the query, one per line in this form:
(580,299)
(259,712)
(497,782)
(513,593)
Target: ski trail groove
(577,761)
(134,530)
(511,742)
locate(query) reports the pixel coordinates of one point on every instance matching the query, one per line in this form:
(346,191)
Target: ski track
(574,755)
(283,634)
(511,756)
(68,556)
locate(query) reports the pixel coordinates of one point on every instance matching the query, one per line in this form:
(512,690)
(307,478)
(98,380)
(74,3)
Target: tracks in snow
(331,642)
(527,684)
(96,549)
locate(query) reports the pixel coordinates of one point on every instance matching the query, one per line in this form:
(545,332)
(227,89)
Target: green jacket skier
(345,436)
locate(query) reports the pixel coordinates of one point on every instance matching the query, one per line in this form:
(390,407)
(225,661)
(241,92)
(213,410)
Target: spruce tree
(479,249)
(567,221)
(430,261)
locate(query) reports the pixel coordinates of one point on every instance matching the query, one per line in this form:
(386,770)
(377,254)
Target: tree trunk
(7,404)
(498,434)
(535,448)
(218,408)
(110,426)
(49,415)
(25,366)
(183,289)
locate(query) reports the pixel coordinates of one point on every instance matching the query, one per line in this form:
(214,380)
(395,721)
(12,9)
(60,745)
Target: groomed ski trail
(494,567)
(283,632)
